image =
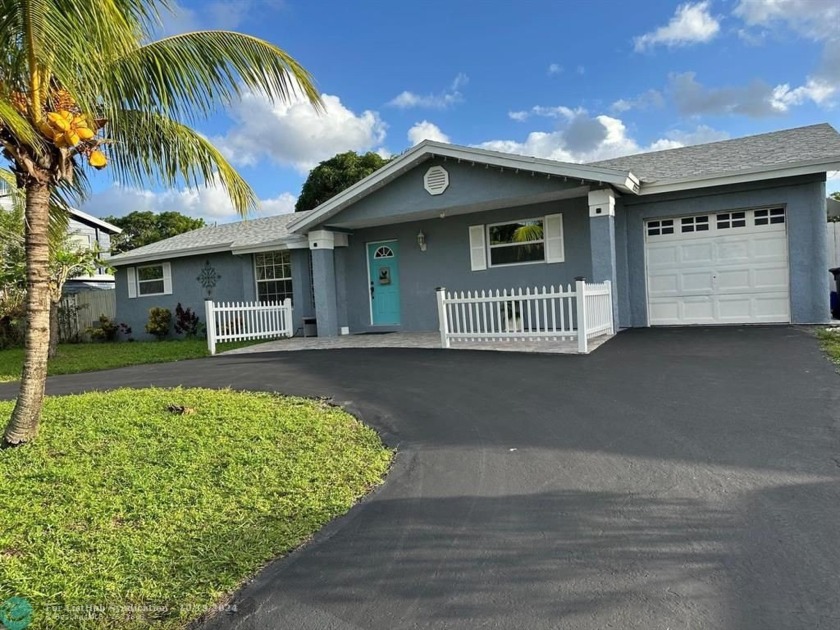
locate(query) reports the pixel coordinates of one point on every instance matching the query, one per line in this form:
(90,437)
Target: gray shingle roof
(248,233)
(731,156)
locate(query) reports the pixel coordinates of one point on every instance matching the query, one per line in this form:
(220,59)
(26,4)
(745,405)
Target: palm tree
(82,85)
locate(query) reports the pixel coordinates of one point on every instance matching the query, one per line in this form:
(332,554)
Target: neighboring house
(723,233)
(86,231)
(833,208)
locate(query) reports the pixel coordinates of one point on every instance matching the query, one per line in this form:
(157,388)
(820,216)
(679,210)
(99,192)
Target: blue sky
(569,80)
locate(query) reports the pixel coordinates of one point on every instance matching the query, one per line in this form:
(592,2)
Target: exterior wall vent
(436,180)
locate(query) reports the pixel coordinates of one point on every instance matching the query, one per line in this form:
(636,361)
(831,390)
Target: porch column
(321,245)
(602,242)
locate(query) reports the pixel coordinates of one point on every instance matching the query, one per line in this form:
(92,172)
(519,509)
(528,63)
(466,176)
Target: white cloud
(691,24)
(214,14)
(441,100)
(426,131)
(554,68)
(588,138)
(815,19)
(210,203)
(652,99)
(756,99)
(295,134)
(558,111)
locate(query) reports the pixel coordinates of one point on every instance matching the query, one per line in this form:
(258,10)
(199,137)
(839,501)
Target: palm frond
(150,147)
(190,75)
(528,232)
(18,125)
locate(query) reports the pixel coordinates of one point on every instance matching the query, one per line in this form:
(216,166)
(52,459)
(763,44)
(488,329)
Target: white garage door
(718,268)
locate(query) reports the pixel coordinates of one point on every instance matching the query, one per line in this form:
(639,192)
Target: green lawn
(89,357)
(830,340)
(123,514)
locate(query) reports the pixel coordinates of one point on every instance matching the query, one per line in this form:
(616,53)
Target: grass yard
(123,514)
(89,357)
(830,340)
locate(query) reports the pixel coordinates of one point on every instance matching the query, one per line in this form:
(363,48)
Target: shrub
(186,322)
(106,331)
(160,319)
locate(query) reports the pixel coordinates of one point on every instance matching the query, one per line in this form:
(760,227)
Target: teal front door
(384,280)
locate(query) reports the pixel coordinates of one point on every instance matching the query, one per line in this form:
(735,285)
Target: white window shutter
(167,278)
(554,248)
(131,280)
(478,251)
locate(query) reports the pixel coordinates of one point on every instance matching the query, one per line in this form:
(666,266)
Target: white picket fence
(241,321)
(530,314)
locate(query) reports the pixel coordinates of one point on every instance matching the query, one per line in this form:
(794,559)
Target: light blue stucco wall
(468,185)
(236,283)
(446,262)
(804,200)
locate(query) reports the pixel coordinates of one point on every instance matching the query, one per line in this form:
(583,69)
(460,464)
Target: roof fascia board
(759,174)
(84,216)
(128,259)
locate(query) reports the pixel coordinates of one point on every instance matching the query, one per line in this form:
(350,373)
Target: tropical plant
(186,322)
(160,319)
(83,84)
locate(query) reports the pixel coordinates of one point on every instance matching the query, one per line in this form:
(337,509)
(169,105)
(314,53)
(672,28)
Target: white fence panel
(529,314)
(833,235)
(242,321)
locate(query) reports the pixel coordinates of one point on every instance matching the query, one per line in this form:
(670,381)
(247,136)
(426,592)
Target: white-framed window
(148,280)
(518,242)
(273,271)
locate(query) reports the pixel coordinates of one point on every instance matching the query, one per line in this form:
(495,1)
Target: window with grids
(694,224)
(657,228)
(516,243)
(274,276)
(769,216)
(150,280)
(729,220)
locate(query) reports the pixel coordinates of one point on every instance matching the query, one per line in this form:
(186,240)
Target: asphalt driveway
(683,478)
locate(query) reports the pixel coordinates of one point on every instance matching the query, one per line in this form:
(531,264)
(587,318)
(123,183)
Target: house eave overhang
(623,181)
(122,260)
(796,169)
(84,217)
(286,242)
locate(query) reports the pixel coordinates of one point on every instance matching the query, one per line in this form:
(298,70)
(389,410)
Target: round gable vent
(436,180)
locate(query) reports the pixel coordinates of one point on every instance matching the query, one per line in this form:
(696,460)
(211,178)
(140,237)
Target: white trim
(166,278)
(740,177)
(321,239)
(478,248)
(126,259)
(624,180)
(131,282)
(602,203)
(491,247)
(84,216)
(256,276)
(550,238)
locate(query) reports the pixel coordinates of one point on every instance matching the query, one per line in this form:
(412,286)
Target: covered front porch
(380,250)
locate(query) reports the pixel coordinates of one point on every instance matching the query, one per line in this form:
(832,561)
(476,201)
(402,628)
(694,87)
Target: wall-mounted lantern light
(421,241)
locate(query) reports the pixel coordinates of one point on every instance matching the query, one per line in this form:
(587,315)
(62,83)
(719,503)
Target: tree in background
(84,84)
(144,227)
(332,176)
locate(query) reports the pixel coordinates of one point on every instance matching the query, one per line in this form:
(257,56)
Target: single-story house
(729,232)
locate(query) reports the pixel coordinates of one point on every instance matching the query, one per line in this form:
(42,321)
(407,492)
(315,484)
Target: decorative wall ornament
(208,277)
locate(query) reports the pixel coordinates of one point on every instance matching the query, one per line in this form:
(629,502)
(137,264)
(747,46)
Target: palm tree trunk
(23,425)
(54,333)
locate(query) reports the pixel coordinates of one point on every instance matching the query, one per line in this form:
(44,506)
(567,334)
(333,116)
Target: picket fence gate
(241,321)
(578,312)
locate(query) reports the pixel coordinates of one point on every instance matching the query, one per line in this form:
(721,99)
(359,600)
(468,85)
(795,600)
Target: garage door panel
(736,274)
(733,280)
(696,253)
(697,281)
